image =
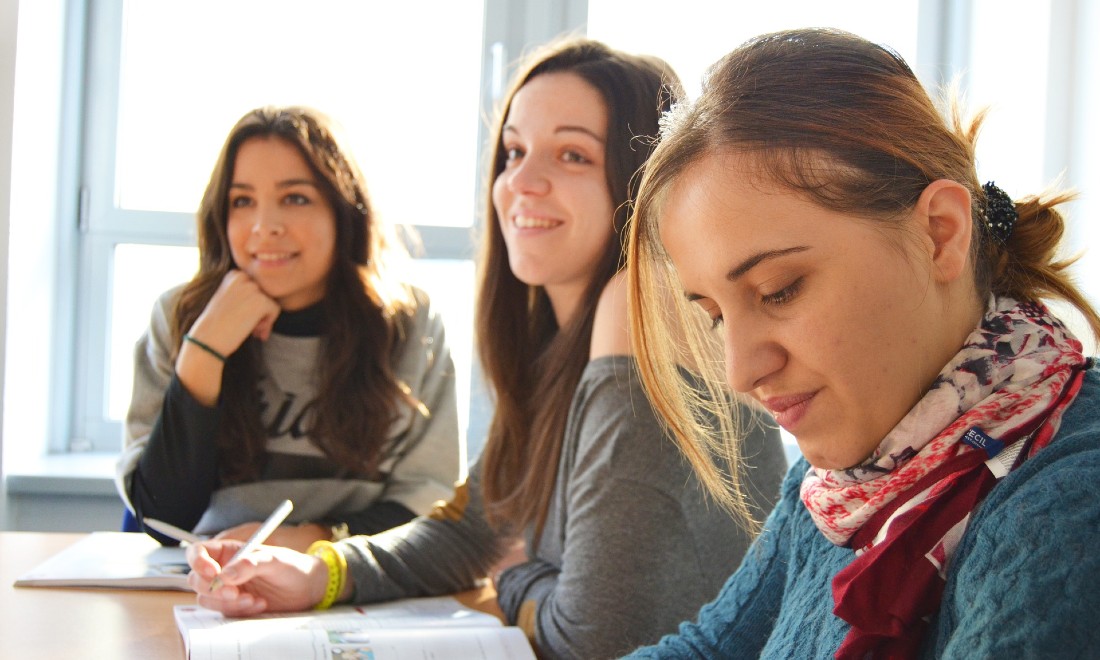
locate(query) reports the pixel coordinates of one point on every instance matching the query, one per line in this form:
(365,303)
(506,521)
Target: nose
(751,355)
(528,177)
(267,222)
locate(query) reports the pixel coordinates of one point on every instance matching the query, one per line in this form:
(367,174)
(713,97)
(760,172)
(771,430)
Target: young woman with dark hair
(293,365)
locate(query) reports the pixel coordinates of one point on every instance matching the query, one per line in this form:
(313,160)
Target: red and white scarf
(903,510)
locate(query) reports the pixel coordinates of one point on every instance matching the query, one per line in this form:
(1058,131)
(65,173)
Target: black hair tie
(999,212)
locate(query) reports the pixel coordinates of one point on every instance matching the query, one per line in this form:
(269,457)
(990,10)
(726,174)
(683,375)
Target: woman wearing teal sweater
(830,235)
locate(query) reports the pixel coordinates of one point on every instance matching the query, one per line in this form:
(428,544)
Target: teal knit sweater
(1025,582)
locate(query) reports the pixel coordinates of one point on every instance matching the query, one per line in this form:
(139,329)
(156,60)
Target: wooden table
(48,623)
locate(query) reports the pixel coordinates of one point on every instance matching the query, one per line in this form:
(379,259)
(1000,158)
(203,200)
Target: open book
(117,560)
(413,628)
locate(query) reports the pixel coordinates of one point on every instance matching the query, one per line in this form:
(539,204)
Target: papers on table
(117,560)
(414,628)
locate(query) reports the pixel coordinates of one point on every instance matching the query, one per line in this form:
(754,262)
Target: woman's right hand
(238,309)
(268,579)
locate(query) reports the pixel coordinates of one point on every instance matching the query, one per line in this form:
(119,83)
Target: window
(145,92)
(176,76)
(121,107)
(698,32)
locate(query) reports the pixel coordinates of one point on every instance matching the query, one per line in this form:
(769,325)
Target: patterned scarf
(995,404)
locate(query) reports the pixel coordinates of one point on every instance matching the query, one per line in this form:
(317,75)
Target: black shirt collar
(306,322)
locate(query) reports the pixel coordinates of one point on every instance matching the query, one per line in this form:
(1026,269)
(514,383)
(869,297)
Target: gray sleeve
(430,451)
(169,465)
(618,586)
(445,552)
(740,620)
(643,547)
(154,369)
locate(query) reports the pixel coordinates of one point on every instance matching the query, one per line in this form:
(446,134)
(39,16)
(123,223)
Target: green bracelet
(206,347)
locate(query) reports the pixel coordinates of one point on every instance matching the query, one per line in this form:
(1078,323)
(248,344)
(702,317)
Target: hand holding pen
(230,577)
(273,521)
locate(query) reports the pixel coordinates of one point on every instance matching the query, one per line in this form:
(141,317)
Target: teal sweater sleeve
(1024,582)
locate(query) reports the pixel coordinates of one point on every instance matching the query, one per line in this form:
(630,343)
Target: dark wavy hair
(363,312)
(533,365)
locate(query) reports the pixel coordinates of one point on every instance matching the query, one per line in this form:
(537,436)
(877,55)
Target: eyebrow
(289,183)
(755,260)
(568,128)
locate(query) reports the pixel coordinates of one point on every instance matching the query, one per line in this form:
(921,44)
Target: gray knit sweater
(630,548)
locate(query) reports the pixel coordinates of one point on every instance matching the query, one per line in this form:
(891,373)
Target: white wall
(36,258)
(9,14)
(35,255)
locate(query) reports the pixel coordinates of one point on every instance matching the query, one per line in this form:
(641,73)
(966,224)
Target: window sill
(64,474)
(94,473)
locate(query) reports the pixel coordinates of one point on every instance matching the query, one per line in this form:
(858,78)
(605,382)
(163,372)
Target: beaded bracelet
(204,346)
(337,571)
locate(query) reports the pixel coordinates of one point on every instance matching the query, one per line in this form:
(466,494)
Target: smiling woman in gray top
(619,541)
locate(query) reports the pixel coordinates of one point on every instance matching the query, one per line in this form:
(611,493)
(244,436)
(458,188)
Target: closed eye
(784,295)
(710,308)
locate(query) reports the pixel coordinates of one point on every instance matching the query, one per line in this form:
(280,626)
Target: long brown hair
(363,312)
(847,124)
(533,365)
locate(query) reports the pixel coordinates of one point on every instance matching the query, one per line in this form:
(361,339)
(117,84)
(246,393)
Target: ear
(943,214)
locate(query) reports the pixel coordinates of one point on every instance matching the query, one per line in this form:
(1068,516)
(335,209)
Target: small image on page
(468,643)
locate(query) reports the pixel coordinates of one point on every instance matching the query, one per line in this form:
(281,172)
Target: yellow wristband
(337,571)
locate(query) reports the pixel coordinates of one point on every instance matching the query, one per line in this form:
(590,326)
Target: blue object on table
(129,523)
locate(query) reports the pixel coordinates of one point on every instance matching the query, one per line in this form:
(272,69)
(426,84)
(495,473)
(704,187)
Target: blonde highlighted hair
(794,101)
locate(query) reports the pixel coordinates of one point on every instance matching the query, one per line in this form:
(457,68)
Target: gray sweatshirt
(169,465)
(631,547)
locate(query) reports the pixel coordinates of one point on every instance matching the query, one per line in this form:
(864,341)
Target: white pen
(171,530)
(259,536)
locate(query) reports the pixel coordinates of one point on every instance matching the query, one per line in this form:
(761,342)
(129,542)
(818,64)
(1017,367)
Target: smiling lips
(532,222)
(270,258)
(789,410)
